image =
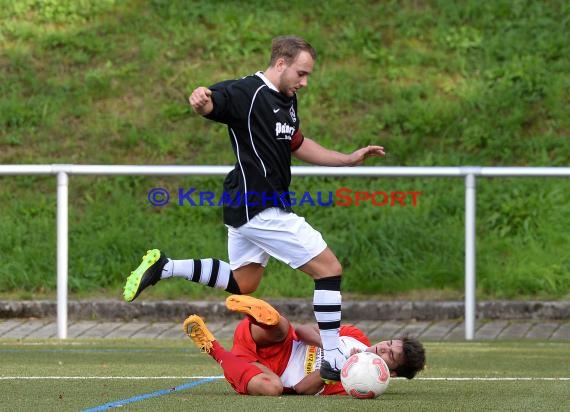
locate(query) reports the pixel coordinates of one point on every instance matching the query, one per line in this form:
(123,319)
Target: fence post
(470,207)
(62,253)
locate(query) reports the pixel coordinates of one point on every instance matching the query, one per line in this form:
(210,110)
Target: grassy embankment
(485,83)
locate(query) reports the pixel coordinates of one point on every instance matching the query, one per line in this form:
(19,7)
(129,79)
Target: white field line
(221,377)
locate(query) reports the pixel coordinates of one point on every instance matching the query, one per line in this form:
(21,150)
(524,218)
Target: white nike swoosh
(275,110)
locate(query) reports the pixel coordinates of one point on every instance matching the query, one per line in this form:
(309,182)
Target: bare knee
(323,265)
(333,268)
(336,268)
(273,389)
(265,385)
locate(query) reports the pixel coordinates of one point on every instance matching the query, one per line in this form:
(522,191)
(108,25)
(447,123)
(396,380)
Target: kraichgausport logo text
(343,197)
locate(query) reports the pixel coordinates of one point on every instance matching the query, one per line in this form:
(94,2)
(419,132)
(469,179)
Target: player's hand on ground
(359,156)
(201,100)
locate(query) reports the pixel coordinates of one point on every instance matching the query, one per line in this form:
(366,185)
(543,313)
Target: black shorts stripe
(329,325)
(197,270)
(327,308)
(214,274)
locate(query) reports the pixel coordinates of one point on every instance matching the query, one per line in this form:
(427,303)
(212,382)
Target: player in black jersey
(263,124)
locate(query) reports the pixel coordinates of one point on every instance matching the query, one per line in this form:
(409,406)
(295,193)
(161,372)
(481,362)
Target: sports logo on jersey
(293,114)
(283,131)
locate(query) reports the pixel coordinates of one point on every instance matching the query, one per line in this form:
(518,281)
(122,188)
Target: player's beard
(286,87)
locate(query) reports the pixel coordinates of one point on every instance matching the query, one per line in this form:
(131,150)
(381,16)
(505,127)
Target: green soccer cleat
(147,274)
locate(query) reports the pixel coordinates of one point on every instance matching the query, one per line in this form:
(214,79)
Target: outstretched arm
(312,152)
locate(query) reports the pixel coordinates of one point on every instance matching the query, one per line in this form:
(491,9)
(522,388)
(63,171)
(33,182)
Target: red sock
(237,371)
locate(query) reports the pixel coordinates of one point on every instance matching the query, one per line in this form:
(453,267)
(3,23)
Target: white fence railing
(469,173)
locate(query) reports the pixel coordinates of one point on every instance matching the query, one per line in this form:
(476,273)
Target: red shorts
(275,357)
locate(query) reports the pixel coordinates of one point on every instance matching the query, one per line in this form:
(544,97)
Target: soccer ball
(365,375)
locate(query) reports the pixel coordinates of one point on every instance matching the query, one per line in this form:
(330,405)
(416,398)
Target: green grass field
(170,375)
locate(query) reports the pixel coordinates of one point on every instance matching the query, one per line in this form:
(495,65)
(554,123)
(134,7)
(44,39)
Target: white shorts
(274,232)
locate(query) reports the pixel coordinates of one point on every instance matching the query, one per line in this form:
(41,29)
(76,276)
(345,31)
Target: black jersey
(263,127)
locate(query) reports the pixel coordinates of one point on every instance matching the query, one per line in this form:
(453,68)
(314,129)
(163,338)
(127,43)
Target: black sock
(233,287)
